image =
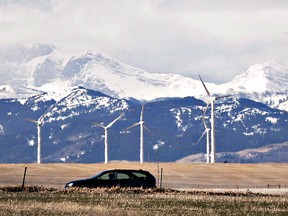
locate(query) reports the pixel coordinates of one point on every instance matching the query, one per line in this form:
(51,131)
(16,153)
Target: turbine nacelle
(213,98)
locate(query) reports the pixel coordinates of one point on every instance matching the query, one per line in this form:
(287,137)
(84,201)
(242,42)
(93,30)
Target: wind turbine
(207,132)
(106,135)
(142,127)
(39,123)
(212,99)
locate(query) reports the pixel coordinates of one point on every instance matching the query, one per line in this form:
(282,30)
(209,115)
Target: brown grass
(175,175)
(49,197)
(118,201)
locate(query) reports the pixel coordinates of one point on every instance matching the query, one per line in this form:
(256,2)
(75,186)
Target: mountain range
(76,91)
(26,71)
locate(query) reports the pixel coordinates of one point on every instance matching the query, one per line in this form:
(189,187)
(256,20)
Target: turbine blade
(97,125)
(208,93)
(205,110)
(204,114)
(147,129)
(113,122)
(31,120)
(142,113)
(133,125)
(201,137)
(41,119)
(203,120)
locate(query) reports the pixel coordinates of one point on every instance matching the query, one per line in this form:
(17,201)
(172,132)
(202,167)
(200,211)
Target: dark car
(117,177)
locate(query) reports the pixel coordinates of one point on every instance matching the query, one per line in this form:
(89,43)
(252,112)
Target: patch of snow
(1,130)
(31,142)
(248,133)
(178,116)
(271,119)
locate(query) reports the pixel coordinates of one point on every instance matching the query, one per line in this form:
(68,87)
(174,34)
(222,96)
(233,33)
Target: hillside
(175,123)
(273,153)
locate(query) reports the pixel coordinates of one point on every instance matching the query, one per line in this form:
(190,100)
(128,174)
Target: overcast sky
(217,39)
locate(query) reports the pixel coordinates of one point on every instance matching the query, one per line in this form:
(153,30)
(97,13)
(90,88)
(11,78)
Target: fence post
(161,178)
(24,176)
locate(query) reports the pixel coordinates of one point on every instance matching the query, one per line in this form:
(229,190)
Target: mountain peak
(270,76)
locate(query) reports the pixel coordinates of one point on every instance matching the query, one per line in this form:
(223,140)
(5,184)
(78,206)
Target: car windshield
(99,175)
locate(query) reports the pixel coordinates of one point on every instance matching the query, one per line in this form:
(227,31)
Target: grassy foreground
(117,201)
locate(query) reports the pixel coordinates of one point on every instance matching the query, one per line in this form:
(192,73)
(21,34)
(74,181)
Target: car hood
(75,183)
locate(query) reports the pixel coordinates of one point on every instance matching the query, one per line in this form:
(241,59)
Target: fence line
(45,180)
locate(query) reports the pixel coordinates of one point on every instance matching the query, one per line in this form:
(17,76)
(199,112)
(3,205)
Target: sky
(216,39)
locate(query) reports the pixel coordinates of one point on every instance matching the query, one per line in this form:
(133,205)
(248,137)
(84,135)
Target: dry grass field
(201,190)
(175,175)
(117,201)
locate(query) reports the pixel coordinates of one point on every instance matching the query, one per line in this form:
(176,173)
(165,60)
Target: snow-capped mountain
(78,90)
(105,74)
(260,78)
(24,70)
(266,83)
(28,71)
(43,68)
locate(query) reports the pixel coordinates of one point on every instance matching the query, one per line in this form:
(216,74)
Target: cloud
(187,37)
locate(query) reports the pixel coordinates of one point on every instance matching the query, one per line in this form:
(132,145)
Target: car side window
(121,176)
(107,176)
(139,175)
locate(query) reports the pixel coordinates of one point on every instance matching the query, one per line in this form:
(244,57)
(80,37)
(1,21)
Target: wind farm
(193,92)
(173,110)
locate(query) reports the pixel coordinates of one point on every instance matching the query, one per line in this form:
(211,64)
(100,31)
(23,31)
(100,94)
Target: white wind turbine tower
(106,135)
(39,123)
(207,132)
(212,99)
(142,127)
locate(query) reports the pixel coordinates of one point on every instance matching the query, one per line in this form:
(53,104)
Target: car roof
(126,170)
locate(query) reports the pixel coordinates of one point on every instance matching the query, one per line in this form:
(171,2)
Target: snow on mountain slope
(51,68)
(105,74)
(260,78)
(266,83)
(26,68)
(7,92)
(43,68)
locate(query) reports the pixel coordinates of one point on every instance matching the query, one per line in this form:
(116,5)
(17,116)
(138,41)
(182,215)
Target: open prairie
(175,175)
(214,189)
